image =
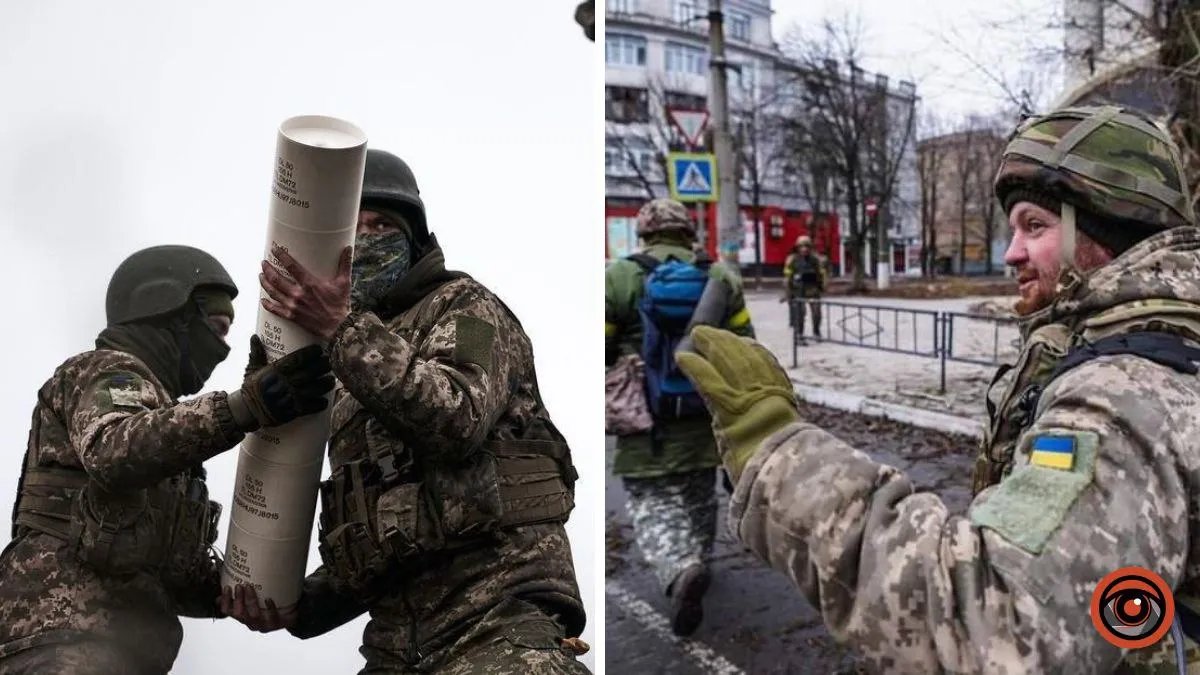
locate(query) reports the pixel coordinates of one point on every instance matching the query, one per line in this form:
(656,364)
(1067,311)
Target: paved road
(755,620)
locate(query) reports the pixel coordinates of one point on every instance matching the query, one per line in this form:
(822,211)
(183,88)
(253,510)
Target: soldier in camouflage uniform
(804,281)
(112,524)
(444,514)
(1090,459)
(670,473)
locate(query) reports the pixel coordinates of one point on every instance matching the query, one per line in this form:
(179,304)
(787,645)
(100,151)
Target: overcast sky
(933,43)
(131,124)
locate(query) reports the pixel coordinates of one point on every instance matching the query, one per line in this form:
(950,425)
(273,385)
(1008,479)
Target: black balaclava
(181,348)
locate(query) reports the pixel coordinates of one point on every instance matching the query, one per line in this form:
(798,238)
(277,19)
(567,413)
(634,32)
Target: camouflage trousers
(59,656)
(514,638)
(674,520)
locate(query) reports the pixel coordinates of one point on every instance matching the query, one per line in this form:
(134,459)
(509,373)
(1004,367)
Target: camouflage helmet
(159,280)
(1112,162)
(662,215)
(803,240)
(388,182)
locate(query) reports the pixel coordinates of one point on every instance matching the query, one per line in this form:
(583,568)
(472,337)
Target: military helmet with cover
(803,240)
(663,215)
(1115,165)
(159,280)
(389,182)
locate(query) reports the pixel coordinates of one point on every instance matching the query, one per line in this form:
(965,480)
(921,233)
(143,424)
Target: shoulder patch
(123,390)
(473,340)
(1028,506)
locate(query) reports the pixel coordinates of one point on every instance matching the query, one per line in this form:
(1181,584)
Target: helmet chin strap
(1067,237)
(1069,276)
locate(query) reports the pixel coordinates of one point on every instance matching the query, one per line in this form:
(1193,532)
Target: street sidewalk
(902,379)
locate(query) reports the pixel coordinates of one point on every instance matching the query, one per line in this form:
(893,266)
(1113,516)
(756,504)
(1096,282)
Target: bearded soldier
(450,485)
(112,526)
(1092,451)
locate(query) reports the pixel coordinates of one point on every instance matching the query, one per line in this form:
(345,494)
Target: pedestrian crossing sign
(692,177)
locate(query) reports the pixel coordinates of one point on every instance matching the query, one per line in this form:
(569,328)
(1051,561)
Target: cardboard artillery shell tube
(318,175)
(274,500)
(266,564)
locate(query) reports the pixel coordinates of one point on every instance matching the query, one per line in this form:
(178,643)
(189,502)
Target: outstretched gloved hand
(279,392)
(746,390)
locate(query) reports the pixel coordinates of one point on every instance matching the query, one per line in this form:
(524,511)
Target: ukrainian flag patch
(1055,452)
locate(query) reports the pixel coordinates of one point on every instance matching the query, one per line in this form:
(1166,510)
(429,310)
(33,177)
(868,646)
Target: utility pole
(883,253)
(729,225)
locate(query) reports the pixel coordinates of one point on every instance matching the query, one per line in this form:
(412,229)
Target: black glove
(258,357)
(279,392)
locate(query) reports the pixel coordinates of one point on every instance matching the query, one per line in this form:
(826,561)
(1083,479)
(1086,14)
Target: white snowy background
(132,124)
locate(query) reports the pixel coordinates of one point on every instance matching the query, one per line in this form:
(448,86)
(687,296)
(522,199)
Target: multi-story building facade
(964,228)
(656,54)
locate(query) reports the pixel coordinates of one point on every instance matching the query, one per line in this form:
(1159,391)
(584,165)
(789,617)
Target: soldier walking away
(112,527)
(669,471)
(1088,464)
(804,282)
(444,513)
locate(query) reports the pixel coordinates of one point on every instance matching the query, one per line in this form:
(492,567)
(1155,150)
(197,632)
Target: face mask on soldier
(379,262)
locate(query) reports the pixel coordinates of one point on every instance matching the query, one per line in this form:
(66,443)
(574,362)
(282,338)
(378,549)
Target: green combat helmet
(1109,162)
(662,215)
(585,16)
(159,280)
(388,182)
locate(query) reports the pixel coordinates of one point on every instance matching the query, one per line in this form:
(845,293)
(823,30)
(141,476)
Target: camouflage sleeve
(788,265)
(1005,588)
(323,606)
(444,394)
(126,439)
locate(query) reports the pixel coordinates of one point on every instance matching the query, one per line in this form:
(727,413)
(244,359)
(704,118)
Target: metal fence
(945,336)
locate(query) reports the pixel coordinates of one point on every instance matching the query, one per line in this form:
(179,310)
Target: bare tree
(931,157)
(988,147)
(636,125)
(1140,53)
(757,130)
(846,124)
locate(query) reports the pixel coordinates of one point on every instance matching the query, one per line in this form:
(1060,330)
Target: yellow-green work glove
(746,390)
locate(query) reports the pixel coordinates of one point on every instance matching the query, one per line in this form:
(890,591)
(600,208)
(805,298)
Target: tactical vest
(386,507)
(167,530)
(1133,328)
(806,272)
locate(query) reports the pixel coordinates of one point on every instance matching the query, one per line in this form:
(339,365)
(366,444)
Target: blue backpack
(670,294)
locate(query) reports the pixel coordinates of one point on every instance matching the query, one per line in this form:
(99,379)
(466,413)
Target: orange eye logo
(1132,608)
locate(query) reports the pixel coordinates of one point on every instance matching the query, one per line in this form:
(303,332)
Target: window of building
(739,26)
(621,6)
(747,76)
(687,11)
(627,156)
(624,50)
(675,99)
(686,59)
(626,104)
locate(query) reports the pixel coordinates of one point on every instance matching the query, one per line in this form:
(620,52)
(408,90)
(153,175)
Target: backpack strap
(1165,349)
(646,261)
